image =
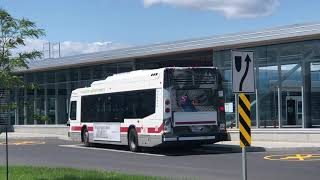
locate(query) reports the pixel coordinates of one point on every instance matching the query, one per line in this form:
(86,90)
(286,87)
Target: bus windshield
(192,89)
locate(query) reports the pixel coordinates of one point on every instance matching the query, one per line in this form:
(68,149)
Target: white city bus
(148,108)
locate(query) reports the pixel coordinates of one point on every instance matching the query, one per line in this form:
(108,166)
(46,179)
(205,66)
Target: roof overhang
(297,32)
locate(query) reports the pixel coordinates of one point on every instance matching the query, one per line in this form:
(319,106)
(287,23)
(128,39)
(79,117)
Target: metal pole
(257,110)
(7,162)
(302,94)
(279,107)
(49,50)
(59,50)
(236,109)
(244,164)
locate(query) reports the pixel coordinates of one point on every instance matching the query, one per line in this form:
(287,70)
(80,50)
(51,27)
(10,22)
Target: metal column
(236,110)
(25,99)
(35,105)
(279,107)
(46,99)
(306,76)
(56,103)
(16,111)
(303,120)
(257,110)
(279,96)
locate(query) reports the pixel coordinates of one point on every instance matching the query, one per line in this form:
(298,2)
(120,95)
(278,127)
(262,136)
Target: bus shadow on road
(185,150)
(204,150)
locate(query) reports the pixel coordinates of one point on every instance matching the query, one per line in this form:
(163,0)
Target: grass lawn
(45,173)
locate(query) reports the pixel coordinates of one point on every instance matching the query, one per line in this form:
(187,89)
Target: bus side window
(117,109)
(146,103)
(73,110)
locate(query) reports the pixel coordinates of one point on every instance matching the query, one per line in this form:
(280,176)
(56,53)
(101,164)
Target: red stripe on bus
(156,130)
(125,129)
(78,128)
(197,122)
(90,128)
(138,129)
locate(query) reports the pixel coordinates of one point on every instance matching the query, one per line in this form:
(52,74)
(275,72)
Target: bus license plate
(197,129)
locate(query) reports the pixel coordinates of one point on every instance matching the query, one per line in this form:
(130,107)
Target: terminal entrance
(293,110)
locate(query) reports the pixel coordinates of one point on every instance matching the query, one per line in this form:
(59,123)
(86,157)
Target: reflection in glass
(291,96)
(268,96)
(315,94)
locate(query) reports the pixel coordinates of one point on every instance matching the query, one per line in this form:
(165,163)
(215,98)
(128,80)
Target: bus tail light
(167,106)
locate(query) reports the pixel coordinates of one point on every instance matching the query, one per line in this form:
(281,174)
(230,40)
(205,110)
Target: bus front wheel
(133,140)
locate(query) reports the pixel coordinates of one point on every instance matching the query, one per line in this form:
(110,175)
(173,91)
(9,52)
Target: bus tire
(133,140)
(86,138)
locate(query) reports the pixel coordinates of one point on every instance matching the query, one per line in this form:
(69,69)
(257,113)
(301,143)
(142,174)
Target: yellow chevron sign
(244,120)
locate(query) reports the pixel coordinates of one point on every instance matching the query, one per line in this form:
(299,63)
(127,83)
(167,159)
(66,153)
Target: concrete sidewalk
(19,135)
(276,146)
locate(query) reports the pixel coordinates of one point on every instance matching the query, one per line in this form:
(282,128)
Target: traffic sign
(3,124)
(243,82)
(244,120)
(242,72)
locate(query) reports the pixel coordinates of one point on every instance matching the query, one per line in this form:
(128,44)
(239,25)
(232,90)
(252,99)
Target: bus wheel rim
(133,141)
(86,137)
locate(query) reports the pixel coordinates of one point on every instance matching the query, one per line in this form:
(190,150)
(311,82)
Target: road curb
(280,149)
(36,138)
(292,149)
(236,148)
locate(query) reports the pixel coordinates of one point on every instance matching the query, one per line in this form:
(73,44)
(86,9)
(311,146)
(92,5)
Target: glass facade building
(287,81)
(287,75)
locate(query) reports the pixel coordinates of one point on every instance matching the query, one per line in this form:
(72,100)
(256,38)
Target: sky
(85,26)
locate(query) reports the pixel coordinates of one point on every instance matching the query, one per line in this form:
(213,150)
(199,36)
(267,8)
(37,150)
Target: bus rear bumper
(205,139)
(188,138)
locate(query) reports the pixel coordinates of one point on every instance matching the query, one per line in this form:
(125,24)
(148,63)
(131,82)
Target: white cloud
(68,48)
(229,8)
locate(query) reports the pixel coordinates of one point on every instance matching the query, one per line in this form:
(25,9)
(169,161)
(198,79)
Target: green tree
(13,34)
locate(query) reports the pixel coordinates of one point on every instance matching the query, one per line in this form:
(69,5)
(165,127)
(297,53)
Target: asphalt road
(214,162)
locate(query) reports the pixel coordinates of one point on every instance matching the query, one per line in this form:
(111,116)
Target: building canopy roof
(291,32)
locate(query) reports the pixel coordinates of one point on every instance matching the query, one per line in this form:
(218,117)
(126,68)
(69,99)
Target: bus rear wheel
(133,140)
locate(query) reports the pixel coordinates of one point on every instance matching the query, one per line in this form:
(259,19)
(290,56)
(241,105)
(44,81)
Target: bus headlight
(167,127)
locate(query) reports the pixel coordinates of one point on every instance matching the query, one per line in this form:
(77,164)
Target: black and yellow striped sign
(244,120)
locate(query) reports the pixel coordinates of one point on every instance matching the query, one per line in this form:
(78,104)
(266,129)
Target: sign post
(245,129)
(243,84)
(7,158)
(7,162)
